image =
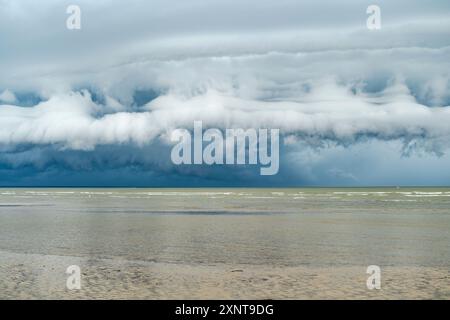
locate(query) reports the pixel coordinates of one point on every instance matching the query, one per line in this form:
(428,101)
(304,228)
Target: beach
(297,243)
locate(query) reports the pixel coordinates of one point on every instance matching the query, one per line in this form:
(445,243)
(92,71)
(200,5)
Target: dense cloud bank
(106,98)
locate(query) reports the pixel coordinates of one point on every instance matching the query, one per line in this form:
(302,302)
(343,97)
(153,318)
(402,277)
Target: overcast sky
(95,106)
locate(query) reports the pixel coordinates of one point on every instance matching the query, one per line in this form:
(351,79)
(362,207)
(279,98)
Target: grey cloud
(138,69)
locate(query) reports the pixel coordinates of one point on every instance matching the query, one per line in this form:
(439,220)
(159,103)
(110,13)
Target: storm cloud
(103,100)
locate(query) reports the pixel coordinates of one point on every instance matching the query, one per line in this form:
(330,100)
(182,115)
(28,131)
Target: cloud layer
(105,98)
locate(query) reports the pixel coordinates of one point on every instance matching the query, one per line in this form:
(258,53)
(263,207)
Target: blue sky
(95,107)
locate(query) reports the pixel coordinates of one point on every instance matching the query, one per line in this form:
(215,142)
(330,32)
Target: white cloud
(7,97)
(312,70)
(74,121)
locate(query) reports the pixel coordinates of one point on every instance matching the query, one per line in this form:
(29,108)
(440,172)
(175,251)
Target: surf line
(211,147)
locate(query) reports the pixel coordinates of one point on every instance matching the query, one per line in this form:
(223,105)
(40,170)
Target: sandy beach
(43,277)
(224,244)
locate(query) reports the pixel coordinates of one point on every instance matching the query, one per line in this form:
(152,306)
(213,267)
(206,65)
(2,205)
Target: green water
(281,227)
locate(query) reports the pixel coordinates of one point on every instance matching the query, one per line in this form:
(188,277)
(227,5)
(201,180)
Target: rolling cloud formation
(103,100)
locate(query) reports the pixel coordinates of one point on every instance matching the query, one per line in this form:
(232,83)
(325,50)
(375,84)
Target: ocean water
(320,227)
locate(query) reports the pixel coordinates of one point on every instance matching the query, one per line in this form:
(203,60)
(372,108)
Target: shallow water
(256,226)
(259,228)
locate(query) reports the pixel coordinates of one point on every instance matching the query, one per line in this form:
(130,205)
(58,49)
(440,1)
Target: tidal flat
(305,243)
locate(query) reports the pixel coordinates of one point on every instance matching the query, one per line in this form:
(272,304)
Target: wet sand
(225,244)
